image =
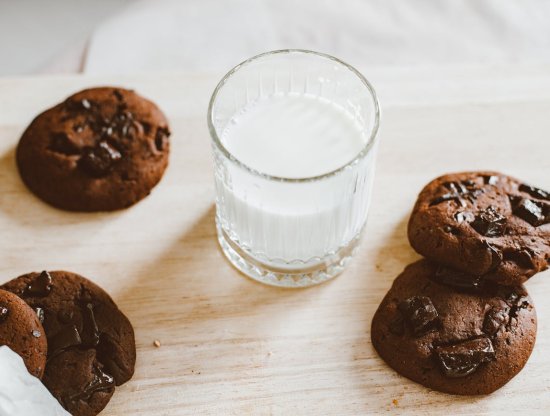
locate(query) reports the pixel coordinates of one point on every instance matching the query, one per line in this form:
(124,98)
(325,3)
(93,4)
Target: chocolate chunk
(522,257)
(495,318)
(490,179)
(98,161)
(448,197)
(122,125)
(101,381)
(460,192)
(161,137)
(118,95)
(90,333)
(61,143)
(489,223)
(512,298)
(534,212)
(108,353)
(516,303)
(456,187)
(463,358)
(458,279)
(40,287)
(496,255)
(147,128)
(106,132)
(535,192)
(67,337)
(397,326)
(472,196)
(78,106)
(40,314)
(464,217)
(4,312)
(451,230)
(420,314)
(456,190)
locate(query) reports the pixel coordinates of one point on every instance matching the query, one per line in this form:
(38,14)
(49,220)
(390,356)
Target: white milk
(293,136)
(293,225)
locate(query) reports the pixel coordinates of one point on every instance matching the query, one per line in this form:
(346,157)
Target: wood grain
(230,346)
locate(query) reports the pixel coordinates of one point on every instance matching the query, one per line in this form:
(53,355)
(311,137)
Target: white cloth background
(38,36)
(213,35)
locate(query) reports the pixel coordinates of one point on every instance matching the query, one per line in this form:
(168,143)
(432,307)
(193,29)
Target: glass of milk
(294,143)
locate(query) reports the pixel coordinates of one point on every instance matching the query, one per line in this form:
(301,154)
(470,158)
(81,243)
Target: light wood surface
(231,346)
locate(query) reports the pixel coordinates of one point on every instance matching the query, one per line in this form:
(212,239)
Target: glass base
(327,269)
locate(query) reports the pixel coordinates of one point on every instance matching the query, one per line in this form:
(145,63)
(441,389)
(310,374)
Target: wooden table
(231,346)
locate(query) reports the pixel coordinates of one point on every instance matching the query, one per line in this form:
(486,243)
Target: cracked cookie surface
(486,224)
(456,338)
(101,149)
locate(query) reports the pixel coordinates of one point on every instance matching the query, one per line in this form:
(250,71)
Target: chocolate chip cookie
(439,330)
(22,331)
(101,149)
(485,224)
(91,346)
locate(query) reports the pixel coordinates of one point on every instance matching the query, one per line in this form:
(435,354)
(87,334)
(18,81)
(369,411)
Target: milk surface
(293,135)
(22,394)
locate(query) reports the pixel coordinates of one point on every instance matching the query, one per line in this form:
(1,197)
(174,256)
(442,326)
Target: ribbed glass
(287,231)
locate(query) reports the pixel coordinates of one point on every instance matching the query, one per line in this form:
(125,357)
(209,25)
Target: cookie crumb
(395,402)
(157,343)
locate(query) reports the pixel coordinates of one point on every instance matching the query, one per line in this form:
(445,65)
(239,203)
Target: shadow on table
(207,286)
(178,295)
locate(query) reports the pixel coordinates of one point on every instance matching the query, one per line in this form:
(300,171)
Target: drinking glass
(287,231)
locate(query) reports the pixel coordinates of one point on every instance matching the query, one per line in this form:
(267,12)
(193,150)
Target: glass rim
(364,151)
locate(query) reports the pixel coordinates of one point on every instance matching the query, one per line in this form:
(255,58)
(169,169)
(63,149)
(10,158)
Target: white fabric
(38,36)
(213,35)
(22,394)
